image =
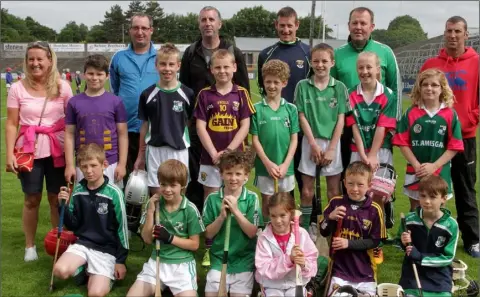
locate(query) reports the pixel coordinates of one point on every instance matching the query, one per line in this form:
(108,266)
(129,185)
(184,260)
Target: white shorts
(109,172)
(8,86)
(237,283)
(384,156)
(308,167)
(412,194)
(367,287)
(209,176)
(265,184)
(98,263)
(158,155)
(178,277)
(271,292)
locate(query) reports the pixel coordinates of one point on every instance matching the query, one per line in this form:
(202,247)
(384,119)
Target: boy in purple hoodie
(460,65)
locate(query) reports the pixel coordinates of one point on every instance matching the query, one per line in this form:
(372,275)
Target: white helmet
(136,191)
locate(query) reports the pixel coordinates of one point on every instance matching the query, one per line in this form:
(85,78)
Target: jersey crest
(102,208)
(177,106)
(442,129)
(333,103)
(440,241)
(366,224)
(299,63)
(417,128)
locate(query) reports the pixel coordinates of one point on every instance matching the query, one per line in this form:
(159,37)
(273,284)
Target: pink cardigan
(274,269)
(56,149)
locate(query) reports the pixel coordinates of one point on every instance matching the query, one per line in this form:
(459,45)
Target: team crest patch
(299,63)
(366,224)
(102,208)
(333,103)
(178,226)
(417,128)
(177,106)
(286,122)
(442,129)
(236,105)
(440,241)
(203,176)
(353,206)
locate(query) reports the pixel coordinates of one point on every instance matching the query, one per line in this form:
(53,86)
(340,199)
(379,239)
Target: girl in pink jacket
(276,253)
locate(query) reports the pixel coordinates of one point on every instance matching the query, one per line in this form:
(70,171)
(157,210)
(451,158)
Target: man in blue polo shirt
(131,71)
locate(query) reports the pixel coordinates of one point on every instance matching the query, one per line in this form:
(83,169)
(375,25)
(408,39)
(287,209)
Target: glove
(415,255)
(160,233)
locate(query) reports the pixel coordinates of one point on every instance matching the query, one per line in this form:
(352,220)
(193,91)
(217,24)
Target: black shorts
(32,182)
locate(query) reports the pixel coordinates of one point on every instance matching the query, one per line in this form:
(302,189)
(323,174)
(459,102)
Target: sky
(431,15)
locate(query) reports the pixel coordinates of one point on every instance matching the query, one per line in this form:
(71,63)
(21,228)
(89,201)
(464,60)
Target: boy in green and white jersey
(274,129)
(179,232)
(244,207)
(321,102)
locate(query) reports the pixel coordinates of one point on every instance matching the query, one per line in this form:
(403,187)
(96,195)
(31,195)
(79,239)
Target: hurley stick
(158,291)
(222,290)
(59,230)
(338,232)
(415,271)
(298,271)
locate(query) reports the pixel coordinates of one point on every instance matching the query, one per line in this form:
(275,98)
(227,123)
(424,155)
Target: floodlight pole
(312,23)
(324,20)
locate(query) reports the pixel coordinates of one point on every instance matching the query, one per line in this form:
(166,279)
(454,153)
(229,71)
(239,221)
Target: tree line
(248,22)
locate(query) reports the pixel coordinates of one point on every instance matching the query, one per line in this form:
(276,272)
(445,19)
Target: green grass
(32,279)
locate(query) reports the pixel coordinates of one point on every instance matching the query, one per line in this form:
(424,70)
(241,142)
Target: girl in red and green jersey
(429,133)
(372,110)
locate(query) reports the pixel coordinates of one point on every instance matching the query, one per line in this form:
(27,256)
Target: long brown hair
(52,82)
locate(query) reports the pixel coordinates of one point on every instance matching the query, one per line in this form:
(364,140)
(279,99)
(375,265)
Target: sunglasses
(39,44)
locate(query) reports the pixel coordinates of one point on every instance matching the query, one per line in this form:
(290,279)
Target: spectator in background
(64,75)
(68,75)
(132,70)
(195,73)
(37,105)
(78,81)
(460,65)
(8,78)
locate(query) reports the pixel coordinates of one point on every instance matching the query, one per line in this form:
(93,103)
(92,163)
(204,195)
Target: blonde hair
(52,84)
(167,50)
(359,168)
(446,97)
(222,54)
(276,68)
(375,57)
(90,151)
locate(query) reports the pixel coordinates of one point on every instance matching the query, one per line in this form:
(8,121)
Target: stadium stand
(411,57)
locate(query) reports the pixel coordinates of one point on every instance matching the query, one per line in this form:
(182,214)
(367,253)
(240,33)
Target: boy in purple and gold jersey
(223,119)
(362,229)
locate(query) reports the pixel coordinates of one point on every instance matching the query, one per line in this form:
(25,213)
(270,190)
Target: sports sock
(305,217)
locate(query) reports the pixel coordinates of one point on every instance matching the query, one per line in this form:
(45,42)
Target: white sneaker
(313,231)
(30,254)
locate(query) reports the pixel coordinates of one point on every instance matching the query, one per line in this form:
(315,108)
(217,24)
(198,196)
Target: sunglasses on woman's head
(39,44)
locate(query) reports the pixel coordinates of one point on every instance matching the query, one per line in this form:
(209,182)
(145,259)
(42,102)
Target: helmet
(50,242)
(77,72)
(9,69)
(383,181)
(136,191)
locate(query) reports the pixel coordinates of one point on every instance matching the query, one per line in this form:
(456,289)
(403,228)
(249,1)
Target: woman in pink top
(24,107)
